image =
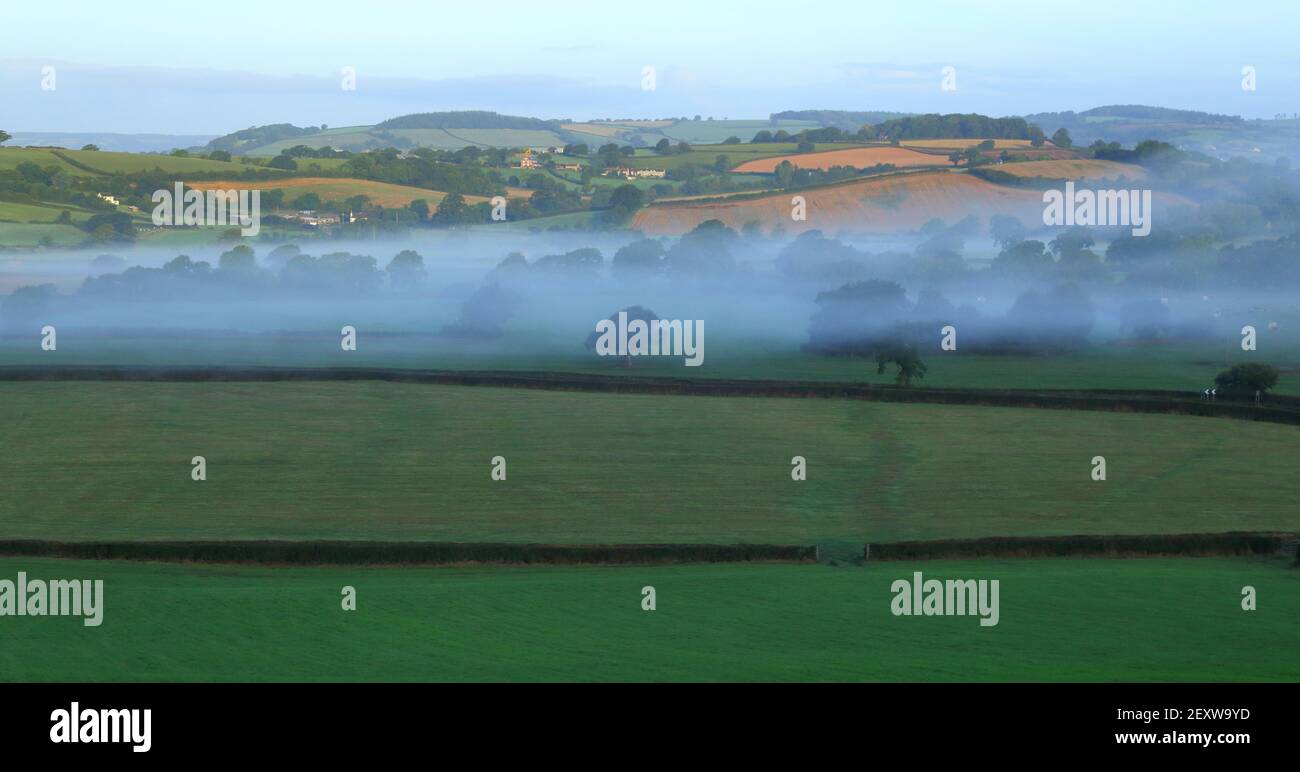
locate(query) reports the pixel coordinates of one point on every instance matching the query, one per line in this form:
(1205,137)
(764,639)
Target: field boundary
(1233,543)
(327,552)
(1278,409)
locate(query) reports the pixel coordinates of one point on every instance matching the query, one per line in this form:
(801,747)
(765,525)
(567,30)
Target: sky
(138,68)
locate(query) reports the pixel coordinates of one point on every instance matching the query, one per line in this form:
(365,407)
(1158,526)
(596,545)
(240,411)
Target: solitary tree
(1246,379)
(908,360)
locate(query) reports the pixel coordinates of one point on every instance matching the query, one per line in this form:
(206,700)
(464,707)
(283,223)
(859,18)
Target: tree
(219,155)
(307,202)
(908,360)
(633,313)
(703,251)
(1246,379)
(420,207)
(452,210)
(283,161)
(5,137)
(406,270)
(732,140)
(92,148)
(1062,138)
(1006,230)
(240,261)
(664,146)
(638,259)
(624,202)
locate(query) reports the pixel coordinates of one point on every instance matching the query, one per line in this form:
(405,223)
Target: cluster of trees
(874,316)
(286,269)
(790,176)
(422,171)
(959,126)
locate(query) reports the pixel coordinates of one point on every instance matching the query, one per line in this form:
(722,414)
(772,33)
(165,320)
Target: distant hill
(1217,135)
(257,136)
(125,143)
(468,119)
(849,120)
(481,128)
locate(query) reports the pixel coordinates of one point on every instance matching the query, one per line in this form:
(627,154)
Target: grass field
(17,212)
(1173,619)
(97,162)
(859,158)
(338,189)
(707,155)
(367,460)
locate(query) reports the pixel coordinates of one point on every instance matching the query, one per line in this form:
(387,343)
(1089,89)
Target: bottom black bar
(840,723)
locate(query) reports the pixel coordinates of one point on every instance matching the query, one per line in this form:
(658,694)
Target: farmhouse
(528,162)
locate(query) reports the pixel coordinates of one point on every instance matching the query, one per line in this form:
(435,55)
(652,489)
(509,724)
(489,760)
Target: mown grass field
(368,460)
(1172,619)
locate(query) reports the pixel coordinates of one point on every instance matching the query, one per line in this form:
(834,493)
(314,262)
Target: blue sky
(139,68)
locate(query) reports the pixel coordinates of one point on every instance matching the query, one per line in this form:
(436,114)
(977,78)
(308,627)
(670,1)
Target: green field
(28,235)
(369,460)
(707,155)
(93,162)
(1172,619)
(18,212)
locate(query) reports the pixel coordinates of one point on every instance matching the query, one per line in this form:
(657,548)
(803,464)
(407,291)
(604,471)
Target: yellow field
(858,157)
(886,204)
(595,129)
(1075,169)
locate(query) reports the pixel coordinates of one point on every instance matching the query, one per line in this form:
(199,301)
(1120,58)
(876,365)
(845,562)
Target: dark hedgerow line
(444,553)
(1278,409)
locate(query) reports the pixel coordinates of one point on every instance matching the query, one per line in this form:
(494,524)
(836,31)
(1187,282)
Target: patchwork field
(369,460)
(859,158)
(882,204)
(1172,619)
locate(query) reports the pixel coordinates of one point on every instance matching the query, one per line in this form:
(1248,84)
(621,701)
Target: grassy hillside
(337,189)
(368,460)
(1060,620)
